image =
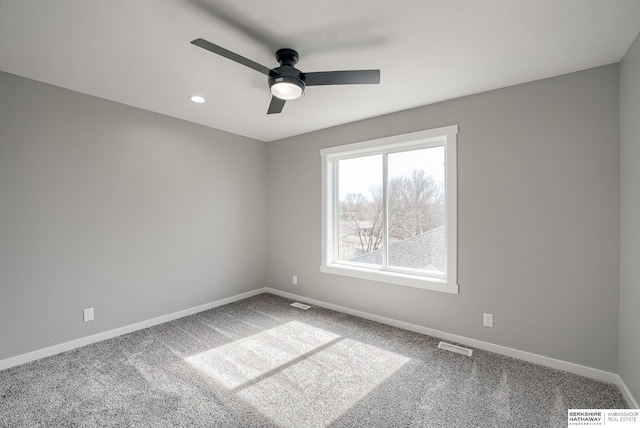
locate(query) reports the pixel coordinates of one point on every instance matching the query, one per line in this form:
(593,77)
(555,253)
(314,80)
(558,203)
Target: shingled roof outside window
(425,251)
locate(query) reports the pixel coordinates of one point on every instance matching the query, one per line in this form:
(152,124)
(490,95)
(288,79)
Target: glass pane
(416,209)
(360,209)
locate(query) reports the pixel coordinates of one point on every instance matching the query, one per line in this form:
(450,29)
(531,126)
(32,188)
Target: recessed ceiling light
(197,99)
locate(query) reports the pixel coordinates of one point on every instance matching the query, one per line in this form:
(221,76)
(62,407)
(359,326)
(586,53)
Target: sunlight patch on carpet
(297,374)
(244,360)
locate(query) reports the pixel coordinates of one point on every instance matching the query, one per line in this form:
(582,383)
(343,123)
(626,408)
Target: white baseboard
(627,394)
(77,343)
(498,349)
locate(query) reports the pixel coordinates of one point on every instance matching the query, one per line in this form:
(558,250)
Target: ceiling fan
(287,82)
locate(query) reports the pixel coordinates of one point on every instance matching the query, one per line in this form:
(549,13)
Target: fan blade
(350,77)
(231,55)
(276,105)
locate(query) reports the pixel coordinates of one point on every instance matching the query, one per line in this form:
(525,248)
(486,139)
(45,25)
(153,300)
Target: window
(389,210)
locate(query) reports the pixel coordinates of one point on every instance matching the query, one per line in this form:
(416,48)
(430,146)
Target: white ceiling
(139,52)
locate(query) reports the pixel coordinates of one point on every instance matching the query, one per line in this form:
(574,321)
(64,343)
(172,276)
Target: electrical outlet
(295,280)
(487,320)
(88,314)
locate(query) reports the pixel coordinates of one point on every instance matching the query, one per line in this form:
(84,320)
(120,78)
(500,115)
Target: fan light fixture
(287,88)
(198,99)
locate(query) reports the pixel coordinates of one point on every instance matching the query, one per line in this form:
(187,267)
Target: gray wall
(538,218)
(136,214)
(630,218)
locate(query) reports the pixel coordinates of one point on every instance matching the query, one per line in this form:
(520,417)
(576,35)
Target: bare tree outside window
(361,223)
(360,209)
(416,205)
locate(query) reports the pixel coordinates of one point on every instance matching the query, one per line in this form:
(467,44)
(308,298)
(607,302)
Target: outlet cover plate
(88,314)
(487,320)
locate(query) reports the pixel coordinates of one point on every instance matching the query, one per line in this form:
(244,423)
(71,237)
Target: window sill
(415,281)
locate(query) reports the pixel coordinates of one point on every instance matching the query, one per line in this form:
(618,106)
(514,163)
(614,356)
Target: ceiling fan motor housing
(286,74)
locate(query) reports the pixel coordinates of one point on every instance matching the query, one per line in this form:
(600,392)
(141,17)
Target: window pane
(360,209)
(417,209)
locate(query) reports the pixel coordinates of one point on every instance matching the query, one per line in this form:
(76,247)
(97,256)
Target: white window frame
(445,137)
